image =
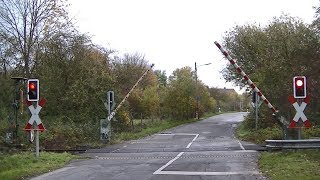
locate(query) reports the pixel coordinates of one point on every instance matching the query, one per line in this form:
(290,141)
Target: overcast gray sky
(177,33)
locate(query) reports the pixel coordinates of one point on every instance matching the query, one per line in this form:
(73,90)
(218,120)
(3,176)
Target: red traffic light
(33,90)
(32,86)
(299,82)
(299,87)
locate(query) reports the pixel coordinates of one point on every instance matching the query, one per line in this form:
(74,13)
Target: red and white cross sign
(300,113)
(35,116)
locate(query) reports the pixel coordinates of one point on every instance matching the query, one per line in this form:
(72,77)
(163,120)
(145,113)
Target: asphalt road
(203,150)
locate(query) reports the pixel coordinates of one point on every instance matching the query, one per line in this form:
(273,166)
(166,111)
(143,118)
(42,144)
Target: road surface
(203,150)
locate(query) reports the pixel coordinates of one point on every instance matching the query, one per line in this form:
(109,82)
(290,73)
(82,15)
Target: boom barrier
(246,77)
(113,113)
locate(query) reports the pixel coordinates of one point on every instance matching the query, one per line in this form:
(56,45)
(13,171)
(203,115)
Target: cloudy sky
(177,33)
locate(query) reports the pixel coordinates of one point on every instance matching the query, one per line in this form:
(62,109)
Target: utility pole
(197,94)
(197,89)
(256,108)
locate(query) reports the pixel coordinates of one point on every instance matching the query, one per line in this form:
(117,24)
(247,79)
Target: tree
(25,24)
(180,100)
(162,77)
(6,56)
(127,70)
(316,22)
(206,102)
(151,102)
(226,99)
(75,76)
(273,55)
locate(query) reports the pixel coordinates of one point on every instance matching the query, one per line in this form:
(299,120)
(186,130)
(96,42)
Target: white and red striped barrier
(246,77)
(300,113)
(113,113)
(35,116)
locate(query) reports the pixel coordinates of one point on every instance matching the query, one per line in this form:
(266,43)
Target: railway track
(72,151)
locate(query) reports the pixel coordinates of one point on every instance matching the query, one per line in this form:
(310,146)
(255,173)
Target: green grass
(299,164)
(258,136)
(209,114)
(302,164)
(24,164)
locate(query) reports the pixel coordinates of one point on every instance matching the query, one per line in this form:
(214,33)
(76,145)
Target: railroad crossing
(202,150)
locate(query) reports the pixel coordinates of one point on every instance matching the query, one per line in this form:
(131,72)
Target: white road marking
(183,134)
(190,173)
(166,165)
(192,141)
(194,173)
(241,145)
(189,145)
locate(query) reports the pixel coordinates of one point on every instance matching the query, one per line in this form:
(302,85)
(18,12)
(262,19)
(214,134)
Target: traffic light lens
(299,83)
(32,86)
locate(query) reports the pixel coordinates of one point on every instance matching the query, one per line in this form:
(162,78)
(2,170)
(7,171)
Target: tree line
(39,40)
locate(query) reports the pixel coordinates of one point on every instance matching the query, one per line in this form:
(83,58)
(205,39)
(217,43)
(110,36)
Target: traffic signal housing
(299,87)
(110,99)
(33,90)
(254,96)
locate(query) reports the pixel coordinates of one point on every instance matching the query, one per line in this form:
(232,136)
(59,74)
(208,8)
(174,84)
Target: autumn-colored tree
(151,102)
(75,76)
(180,100)
(226,99)
(127,70)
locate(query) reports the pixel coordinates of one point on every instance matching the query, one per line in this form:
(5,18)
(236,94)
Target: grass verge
(299,164)
(24,164)
(257,136)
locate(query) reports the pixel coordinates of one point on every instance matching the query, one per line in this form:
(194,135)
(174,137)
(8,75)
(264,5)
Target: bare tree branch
(26,24)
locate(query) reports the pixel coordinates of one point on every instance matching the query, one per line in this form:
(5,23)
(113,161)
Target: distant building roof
(225,90)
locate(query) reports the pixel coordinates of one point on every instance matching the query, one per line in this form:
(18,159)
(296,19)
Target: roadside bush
(122,122)
(246,131)
(63,134)
(312,132)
